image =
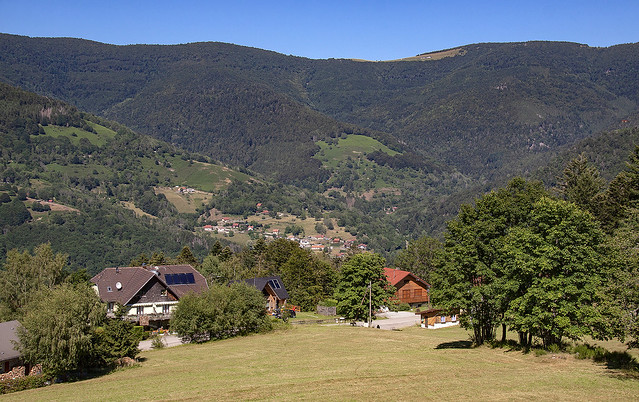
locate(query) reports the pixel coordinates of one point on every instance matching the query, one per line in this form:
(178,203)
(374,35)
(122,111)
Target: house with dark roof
(10,357)
(410,288)
(149,293)
(273,290)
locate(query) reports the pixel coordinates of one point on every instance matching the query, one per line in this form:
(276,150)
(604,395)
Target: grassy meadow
(348,363)
(353,146)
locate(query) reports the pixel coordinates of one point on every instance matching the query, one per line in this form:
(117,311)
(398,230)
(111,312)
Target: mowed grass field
(348,363)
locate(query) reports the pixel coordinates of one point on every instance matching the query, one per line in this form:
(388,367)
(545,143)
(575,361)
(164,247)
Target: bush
(20,384)
(220,312)
(328,303)
(157,342)
(588,352)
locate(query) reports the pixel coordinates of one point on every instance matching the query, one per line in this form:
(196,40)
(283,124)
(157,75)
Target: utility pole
(370,303)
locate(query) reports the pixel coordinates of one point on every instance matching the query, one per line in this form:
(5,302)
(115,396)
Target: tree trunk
(503,333)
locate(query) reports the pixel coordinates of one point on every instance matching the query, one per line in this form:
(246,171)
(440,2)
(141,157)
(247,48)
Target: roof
(8,333)
(133,279)
(395,276)
(261,283)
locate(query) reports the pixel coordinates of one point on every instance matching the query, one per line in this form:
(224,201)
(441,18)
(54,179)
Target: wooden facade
(436,318)
(409,288)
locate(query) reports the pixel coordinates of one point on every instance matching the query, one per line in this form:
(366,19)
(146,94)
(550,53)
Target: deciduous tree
(352,292)
(58,329)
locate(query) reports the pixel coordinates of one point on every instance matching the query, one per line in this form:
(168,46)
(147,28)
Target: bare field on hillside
(346,363)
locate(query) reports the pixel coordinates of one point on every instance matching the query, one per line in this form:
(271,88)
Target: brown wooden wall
(409,291)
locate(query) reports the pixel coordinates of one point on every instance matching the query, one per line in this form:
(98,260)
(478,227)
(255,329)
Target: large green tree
(470,276)
(420,257)
(307,279)
(58,329)
(24,274)
(352,292)
(581,183)
(557,264)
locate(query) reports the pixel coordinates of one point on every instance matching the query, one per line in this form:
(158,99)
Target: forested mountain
(65,174)
(389,150)
(484,111)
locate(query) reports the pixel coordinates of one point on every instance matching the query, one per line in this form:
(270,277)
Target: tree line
(549,265)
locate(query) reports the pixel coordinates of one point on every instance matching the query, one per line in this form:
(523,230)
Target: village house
(149,293)
(273,290)
(9,356)
(435,318)
(410,289)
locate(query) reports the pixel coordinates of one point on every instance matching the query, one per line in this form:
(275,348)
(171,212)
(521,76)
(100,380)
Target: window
(453,318)
(163,292)
(443,319)
(166,309)
(110,306)
(140,310)
(417,293)
(406,294)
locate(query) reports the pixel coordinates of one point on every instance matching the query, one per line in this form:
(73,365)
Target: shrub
(22,383)
(328,303)
(157,342)
(220,312)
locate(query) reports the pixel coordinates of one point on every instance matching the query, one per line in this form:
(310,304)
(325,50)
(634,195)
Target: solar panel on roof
(190,278)
(275,284)
(182,279)
(169,279)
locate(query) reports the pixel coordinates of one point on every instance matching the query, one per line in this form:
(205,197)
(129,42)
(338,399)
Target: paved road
(169,340)
(401,319)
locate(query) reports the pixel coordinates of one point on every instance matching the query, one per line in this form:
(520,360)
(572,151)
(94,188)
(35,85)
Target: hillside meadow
(348,363)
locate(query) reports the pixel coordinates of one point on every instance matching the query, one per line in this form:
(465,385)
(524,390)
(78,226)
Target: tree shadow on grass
(455,345)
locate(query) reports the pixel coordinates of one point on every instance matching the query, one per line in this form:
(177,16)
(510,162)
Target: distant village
(337,246)
(317,242)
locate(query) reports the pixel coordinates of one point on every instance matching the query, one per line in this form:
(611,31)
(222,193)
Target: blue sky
(373,30)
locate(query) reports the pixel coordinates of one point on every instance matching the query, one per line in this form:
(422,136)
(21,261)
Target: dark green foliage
(352,292)
(307,279)
(117,338)
(420,257)
(220,312)
(38,207)
(469,275)
(554,269)
(581,183)
(24,275)
(13,213)
(58,329)
(187,257)
(23,383)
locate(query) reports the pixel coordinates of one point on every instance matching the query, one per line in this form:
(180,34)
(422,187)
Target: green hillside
(479,112)
(95,172)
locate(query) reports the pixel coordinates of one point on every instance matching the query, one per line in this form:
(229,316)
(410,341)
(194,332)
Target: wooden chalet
(436,318)
(149,293)
(410,289)
(273,290)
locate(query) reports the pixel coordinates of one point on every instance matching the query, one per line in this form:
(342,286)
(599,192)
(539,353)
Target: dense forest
(491,110)
(443,132)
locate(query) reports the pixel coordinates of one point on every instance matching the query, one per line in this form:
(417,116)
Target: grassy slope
(353,146)
(338,363)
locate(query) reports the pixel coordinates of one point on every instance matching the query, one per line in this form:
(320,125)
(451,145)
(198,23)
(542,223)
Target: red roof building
(410,288)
